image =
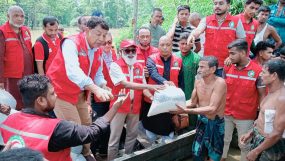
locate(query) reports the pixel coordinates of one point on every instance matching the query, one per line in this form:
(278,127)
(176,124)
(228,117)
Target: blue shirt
(153,73)
(277,21)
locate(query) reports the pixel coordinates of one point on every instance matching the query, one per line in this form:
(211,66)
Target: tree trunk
(135,18)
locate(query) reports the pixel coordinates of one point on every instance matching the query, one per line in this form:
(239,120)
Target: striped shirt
(179,30)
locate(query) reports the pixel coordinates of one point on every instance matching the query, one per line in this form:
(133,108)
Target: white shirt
(72,66)
(117,76)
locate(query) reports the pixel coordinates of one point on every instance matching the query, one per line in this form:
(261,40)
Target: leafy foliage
(118,13)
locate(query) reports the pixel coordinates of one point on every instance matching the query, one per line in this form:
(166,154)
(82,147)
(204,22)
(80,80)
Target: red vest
(175,67)
(39,51)
(242,95)
(142,55)
(64,88)
(249,28)
(138,78)
(35,131)
(14,55)
(218,38)
(106,70)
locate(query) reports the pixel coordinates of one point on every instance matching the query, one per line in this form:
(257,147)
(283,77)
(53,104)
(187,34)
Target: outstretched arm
(68,134)
(197,32)
(171,31)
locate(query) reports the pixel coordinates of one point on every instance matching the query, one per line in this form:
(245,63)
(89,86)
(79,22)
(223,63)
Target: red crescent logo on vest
(82,53)
(251,73)
(27,34)
(175,64)
(137,71)
(252,27)
(231,24)
(16,141)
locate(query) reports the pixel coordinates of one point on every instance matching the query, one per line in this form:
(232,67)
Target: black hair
(95,21)
(282,51)
(212,61)
(261,46)
(260,2)
(276,66)
(155,9)
(239,44)
(79,20)
(228,1)
(263,9)
(31,87)
(183,7)
(144,27)
(25,154)
(184,35)
(51,20)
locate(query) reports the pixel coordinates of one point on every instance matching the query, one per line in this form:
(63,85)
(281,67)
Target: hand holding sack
(165,101)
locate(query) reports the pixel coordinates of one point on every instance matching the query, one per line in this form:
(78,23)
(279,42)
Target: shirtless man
(269,145)
(264,30)
(209,95)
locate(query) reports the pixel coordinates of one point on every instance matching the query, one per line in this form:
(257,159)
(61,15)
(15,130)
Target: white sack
(7,99)
(166,100)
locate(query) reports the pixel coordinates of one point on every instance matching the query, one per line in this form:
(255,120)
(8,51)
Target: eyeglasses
(108,42)
(129,51)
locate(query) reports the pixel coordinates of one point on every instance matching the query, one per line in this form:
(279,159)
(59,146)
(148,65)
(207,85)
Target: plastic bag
(7,99)
(166,100)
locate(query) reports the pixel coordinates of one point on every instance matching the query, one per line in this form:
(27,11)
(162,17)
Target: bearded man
(16,59)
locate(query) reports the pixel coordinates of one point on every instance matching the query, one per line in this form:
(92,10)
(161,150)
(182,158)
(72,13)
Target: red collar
(243,19)
(9,29)
(48,39)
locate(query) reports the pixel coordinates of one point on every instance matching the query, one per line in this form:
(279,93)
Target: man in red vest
(82,23)
(47,45)
(100,108)
(244,93)
(220,29)
(76,71)
(36,130)
(144,48)
(16,59)
(250,24)
(127,74)
(164,68)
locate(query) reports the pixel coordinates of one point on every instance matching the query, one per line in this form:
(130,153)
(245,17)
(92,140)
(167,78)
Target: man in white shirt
(127,74)
(76,71)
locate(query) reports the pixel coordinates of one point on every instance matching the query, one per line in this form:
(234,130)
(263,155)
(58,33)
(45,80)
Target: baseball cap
(127,43)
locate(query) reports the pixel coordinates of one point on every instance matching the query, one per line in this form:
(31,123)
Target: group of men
(81,73)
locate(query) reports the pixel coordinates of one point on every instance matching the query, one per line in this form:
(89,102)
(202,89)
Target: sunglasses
(129,51)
